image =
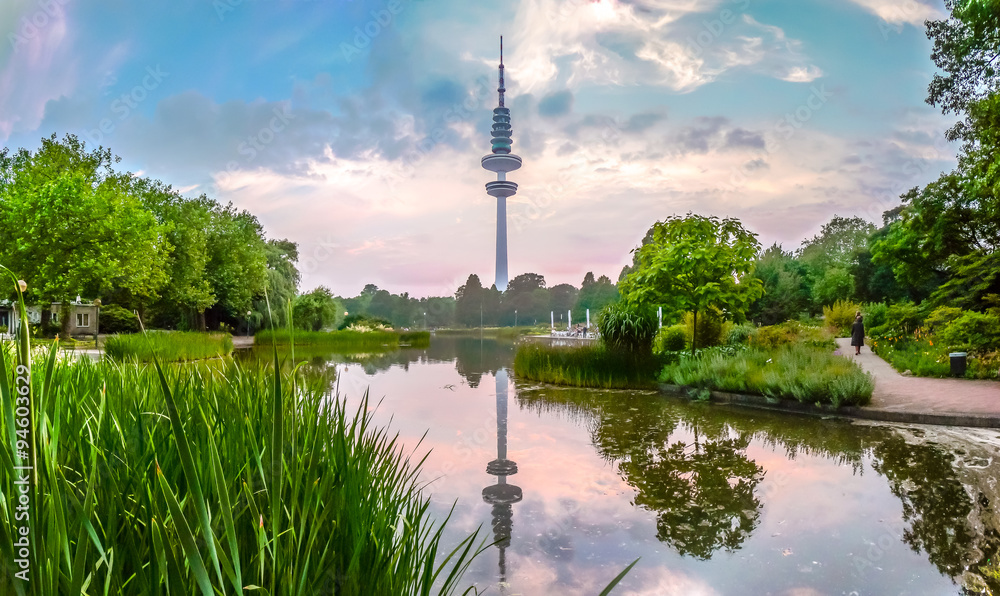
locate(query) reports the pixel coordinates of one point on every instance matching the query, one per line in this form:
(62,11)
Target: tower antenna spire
(501,88)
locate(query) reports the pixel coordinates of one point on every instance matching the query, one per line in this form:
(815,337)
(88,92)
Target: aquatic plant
(794,371)
(169,346)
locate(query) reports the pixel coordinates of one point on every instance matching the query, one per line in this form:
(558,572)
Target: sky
(356,127)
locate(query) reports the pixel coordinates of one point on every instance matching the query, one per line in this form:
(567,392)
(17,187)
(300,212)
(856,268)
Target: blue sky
(355,127)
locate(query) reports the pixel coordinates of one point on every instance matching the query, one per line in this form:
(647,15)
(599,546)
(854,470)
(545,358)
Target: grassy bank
(488,332)
(206,482)
(169,346)
(347,340)
(584,366)
(792,371)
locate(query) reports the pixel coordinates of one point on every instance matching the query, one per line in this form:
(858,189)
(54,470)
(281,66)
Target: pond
(576,484)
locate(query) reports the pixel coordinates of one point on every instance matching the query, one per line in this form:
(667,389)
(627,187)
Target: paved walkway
(959,398)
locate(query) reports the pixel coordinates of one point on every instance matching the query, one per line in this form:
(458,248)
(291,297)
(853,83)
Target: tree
(525,293)
(562,297)
(836,244)
(695,263)
(469,302)
(70,226)
(786,292)
(237,267)
(595,295)
(966,46)
(317,310)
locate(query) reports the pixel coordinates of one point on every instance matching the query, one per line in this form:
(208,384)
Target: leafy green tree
(282,283)
(595,294)
(187,293)
(695,263)
(786,291)
(469,302)
(237,267)
(70,226)
(837,243)
(317,310)
(563,297)
(835,284)
(527,294)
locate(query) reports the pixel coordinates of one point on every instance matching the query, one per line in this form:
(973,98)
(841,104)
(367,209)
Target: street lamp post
(248,323)
(425,321)
(515,317)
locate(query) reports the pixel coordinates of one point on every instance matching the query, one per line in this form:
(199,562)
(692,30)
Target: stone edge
(770,403)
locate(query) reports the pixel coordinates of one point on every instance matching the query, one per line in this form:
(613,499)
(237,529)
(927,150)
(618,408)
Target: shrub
(941,317)
(904,316)
(115,319)
(670,339)
(875,313)
(973,332)
(628,328)
(740,334)
(711,328)
(841,315)
(798,372)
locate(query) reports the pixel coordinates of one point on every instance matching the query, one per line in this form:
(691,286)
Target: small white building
(83,320)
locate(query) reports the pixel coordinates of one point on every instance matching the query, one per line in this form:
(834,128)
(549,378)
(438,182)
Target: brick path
(918,395)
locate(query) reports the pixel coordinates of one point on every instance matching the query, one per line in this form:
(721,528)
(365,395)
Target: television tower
(501,161)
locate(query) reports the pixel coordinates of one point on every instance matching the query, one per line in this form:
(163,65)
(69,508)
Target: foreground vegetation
(792,371)
(201,482)
(169,346)
(348,339)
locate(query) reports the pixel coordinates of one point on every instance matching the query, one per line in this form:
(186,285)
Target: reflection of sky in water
(825,521)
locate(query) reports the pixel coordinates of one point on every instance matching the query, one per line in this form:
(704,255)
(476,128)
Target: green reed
(217,480)
(168,346)
(585,366)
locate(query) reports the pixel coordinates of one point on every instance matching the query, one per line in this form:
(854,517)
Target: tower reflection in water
(502,495)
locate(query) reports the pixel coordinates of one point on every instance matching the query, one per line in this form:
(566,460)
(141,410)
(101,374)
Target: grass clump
(793,371)
(593,366)
(169,346)
(196,481)
(346,340)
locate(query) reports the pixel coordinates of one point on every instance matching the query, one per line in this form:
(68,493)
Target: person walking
(858,334)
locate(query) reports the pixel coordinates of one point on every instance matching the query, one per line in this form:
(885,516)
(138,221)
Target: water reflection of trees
(697,480)
(688,463)
(473,358)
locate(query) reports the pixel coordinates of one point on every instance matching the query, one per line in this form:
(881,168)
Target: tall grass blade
(188,543)
(617,579)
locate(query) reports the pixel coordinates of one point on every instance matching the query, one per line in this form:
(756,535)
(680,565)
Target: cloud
(558,103)
(912,12)
(680,45)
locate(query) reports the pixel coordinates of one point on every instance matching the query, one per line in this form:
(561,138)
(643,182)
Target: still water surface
(715,500)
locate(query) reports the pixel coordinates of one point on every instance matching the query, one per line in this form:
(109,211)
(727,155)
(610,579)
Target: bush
(740,334)
(904,316)
(115,319)
(875,313)
(711,328)
(628,328)
(841,316)
(799,372)
(670,339)
(973,332)
(941,317)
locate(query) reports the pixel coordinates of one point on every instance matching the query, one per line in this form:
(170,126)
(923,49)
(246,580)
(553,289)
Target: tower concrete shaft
(501,161)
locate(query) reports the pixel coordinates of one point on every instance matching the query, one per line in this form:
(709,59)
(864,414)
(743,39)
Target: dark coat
(858,334)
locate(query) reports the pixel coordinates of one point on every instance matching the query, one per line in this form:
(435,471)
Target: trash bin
(957,364)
